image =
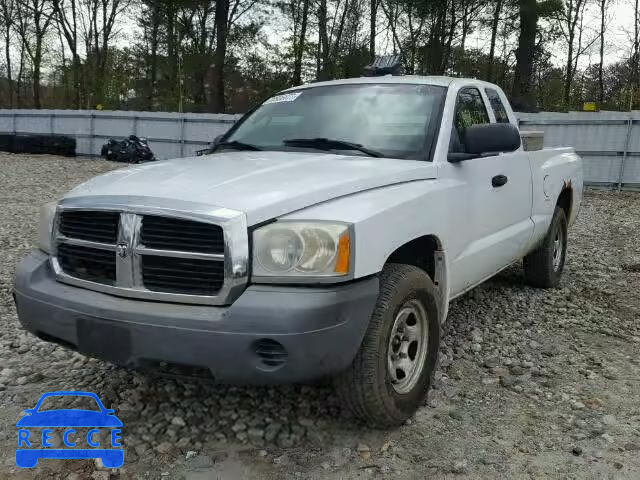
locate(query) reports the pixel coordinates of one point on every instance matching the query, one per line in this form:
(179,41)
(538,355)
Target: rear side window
(470,110)
(497,106)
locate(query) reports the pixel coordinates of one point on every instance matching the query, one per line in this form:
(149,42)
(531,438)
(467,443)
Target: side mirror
(487,140)
(109,411)
(30,410)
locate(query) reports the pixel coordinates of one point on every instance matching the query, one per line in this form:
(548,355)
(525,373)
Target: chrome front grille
(152,253)
(92,226)
(183,235)
(93,264)
(182,275)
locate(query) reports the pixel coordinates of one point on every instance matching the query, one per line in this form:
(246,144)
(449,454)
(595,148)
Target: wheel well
(564,201)
(419,252)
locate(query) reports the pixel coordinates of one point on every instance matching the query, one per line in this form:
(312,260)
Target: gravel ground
(532,383)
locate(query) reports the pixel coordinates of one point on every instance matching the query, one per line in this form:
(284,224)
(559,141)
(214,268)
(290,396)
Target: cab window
(469,110)
(498,107)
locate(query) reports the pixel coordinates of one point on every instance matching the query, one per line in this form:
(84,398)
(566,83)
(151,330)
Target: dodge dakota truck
(323,236)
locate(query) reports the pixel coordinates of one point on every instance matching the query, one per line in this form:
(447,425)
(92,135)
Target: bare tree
(67,18)
(98,30)
(603,6)
(495,23)
(222,26)
(299,43)
(33,18)
(635,49)
(7,13)
(569,21)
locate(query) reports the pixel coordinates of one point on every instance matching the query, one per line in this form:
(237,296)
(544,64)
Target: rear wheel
(391,373)
(543,267)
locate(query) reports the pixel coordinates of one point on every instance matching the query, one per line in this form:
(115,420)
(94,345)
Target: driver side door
(495,199)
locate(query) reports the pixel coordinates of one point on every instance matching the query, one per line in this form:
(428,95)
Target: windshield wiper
(329,144)
(238,145)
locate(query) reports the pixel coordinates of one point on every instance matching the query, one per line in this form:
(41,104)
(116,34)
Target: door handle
(499,180)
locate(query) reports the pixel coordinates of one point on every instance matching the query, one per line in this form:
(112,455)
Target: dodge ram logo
(121,250)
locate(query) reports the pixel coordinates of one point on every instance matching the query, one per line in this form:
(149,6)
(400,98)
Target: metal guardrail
(609,142)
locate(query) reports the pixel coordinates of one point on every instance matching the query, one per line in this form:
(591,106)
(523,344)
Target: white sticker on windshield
(285,97)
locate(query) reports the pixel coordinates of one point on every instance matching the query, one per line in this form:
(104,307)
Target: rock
(271,432)
(164,447)
(364,451)
(183,442)
(476,336)
(306,422)
(490,380)
(141,448)
(239,427)
(179,421)
(190,454)
(100,475)
(256,435)
(284,440)
(491,362)
(607,437)
(577,451)
(510,380)
(632,447)
(578,405)
(262,453)
(609,420)
(459,467)
(97,463)
(517,370)
(456,415)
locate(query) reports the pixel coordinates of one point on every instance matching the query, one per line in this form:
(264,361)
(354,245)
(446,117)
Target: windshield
(396,120)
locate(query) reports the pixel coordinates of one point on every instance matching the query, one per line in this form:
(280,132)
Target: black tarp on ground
(51,144)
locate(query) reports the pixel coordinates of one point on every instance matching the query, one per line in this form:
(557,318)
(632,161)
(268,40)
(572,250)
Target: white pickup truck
(325,234)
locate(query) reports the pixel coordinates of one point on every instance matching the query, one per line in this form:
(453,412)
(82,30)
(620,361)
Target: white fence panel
(609,142)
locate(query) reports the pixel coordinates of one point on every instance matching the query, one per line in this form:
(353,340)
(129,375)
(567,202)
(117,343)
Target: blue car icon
(68,418)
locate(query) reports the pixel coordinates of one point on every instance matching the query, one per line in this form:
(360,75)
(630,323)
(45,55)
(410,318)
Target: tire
(368,387)
(543,267)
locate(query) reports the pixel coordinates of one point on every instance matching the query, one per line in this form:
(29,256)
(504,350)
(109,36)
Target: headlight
(45,225)
(302,249)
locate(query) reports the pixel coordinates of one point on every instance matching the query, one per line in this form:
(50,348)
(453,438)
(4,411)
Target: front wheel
(391,373)
(543,267)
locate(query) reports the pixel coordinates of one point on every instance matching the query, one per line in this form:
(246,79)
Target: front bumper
(270,334)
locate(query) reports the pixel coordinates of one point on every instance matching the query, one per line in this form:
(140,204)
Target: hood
(263,185)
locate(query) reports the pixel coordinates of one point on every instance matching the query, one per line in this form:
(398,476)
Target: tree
(299,44)
(530,12)
(66,15)
(33,18)
(7,14)
(495,23)
(99,30)
(603,6)
(222,19)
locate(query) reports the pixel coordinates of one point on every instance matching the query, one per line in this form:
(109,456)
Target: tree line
(226,55)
